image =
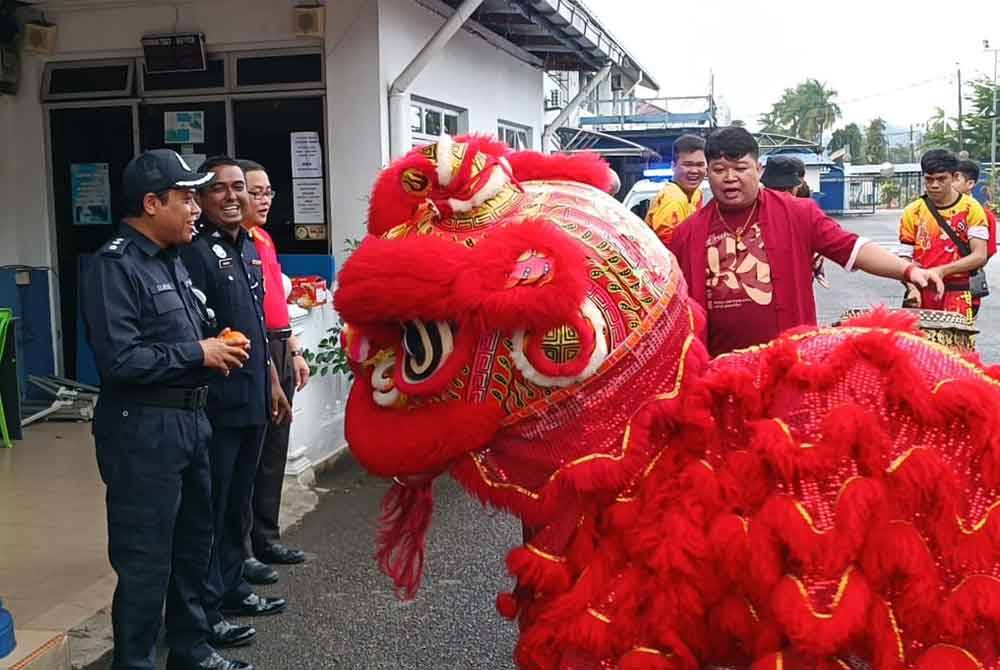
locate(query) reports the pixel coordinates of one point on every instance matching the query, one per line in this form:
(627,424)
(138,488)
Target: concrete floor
(54,568)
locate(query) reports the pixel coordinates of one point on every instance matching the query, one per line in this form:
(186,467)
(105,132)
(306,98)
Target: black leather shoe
(215,661)
(279,554)
(225,634)
(255,605)
(256,572)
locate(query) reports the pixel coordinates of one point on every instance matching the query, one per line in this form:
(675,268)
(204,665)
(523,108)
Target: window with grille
(515,136)
(429,120)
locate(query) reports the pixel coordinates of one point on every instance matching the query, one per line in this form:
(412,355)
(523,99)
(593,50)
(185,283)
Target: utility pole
(913,156)
(961,137)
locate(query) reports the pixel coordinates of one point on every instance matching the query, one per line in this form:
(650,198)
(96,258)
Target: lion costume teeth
(830,500)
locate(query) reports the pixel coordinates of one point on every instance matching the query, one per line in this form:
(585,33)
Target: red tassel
(406,515)
(507,605)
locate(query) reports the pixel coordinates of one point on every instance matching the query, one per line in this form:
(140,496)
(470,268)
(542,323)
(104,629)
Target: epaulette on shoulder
(116,247)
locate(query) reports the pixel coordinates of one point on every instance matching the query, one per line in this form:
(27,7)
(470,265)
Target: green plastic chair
(6,318)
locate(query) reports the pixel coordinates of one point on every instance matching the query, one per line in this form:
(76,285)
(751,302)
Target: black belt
(172,397)
(279,335)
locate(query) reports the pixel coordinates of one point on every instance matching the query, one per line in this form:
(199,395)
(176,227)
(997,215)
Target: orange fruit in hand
(234,338)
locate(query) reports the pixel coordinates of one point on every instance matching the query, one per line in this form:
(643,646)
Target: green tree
(942,132)
(804,111)
(978,125)
(849,137)
(876,148)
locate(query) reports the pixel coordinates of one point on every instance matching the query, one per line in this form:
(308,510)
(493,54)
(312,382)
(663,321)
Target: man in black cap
(788,174)
(224,265)
(144,323)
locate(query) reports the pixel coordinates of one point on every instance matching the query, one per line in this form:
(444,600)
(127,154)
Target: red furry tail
(406,515)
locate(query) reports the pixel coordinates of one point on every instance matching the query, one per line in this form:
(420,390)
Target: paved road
(343,613)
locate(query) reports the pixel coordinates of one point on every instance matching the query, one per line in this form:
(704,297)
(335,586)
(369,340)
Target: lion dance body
(829,500)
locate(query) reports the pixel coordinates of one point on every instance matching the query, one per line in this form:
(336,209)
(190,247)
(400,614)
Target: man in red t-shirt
(748,256)
(263,541)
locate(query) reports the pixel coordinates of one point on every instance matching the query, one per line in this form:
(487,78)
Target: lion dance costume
(829,500)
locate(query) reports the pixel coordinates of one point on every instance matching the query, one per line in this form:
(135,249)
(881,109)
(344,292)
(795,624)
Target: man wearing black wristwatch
(144,322)
(262,543)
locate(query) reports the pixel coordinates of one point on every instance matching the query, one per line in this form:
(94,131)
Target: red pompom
(507,605)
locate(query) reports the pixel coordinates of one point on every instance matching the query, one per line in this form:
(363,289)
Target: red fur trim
(540,574)
(880,317)
(435,435)
(647,659)
(888,650)
(974,603)
(406,515)
(821,636)
(390,204)
(469,285)
(947,657)
(587,168)
(507,605)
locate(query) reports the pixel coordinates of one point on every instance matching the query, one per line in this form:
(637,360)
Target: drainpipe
(399,96)
(573,105)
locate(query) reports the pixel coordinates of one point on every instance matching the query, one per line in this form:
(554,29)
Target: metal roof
(563,34)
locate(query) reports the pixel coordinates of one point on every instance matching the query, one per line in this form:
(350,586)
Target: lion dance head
(502,317)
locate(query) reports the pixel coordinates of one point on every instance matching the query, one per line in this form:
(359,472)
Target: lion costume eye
(426,346)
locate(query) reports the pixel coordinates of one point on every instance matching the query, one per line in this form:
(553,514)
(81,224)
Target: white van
(645,190)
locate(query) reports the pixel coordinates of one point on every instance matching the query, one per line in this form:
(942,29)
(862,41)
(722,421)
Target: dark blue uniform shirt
(142,319)
(228,271)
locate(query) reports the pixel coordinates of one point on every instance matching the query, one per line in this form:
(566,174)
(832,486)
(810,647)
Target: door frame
(55,289)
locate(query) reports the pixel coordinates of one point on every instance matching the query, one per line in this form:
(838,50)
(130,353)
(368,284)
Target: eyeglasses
(263,195)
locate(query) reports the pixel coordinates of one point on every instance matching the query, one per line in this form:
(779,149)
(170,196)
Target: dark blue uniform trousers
(156,467)
(235,454)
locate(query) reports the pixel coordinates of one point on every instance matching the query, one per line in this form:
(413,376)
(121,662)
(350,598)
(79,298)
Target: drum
(949,329)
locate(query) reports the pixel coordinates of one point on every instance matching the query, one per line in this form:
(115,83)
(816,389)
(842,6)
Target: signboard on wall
(184,127)
(307,155)
(307,196)
(90,186)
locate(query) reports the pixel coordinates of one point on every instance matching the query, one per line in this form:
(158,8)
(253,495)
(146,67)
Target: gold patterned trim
(900,650)
(544,555)
(626,439)
(841,589)
(597,615)
(964,652)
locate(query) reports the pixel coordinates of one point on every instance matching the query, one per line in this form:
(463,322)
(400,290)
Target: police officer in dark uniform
(223,263)
(145,325)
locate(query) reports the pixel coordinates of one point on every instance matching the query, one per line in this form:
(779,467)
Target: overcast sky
(884,57)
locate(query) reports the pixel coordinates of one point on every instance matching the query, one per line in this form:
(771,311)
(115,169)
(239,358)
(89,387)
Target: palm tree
(805,111)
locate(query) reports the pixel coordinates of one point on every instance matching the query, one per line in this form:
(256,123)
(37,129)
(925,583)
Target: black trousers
(235,453)
(155,464)
(263,512)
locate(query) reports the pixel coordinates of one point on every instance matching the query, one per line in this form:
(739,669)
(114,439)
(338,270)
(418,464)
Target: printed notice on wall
(307,155)
(91,190)
(307,198)
(184,127)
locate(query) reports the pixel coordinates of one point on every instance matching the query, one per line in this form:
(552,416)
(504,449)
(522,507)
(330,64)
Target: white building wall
(470,73)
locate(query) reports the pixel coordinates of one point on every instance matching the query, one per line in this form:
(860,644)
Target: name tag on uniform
(225,263)
(163,288)
(255,261)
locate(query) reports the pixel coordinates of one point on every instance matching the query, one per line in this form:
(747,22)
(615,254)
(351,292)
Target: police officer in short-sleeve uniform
(144,323)
(223,263)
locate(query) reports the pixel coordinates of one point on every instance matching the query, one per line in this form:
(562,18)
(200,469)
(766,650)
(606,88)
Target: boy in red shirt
(262,543)
(748,256)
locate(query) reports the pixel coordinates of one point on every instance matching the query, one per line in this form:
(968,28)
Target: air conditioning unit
(555,100)
(40,38)
(310,21)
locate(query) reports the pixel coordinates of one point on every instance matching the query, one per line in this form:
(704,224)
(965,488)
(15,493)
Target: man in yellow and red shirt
(933,249)
(681,197)
(263,541)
